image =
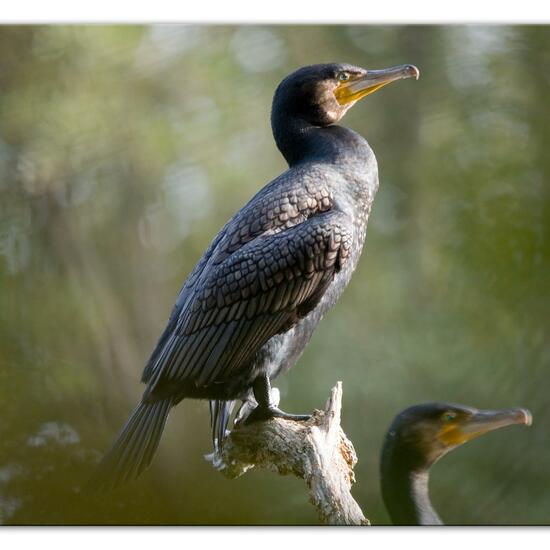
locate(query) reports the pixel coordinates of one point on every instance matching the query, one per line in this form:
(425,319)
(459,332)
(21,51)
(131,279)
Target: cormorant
(250,305)
(417,438)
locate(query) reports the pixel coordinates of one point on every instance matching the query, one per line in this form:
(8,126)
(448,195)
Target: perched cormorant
(249,307)
(417,438)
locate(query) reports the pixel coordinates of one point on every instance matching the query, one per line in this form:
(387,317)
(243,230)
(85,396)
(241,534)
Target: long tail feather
(220,412)
(134,448)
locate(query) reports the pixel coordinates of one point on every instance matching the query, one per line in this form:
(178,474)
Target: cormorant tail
(220,412)
(134,448)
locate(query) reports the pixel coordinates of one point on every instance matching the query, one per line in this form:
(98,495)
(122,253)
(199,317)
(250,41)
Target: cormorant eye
(343,76)
(448,416)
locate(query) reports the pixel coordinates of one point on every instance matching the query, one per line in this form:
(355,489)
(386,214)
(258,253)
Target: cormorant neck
(405,491)
(299,140)
(292,136)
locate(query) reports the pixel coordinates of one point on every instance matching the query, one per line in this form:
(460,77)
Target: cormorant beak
(481,422)
(355,89)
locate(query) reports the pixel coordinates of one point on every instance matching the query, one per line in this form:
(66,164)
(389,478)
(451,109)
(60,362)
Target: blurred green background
(124,149)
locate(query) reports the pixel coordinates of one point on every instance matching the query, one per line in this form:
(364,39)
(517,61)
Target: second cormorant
(417,438)
(249,307)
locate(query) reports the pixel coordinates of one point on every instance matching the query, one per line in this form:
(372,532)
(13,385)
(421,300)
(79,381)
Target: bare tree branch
(317,451)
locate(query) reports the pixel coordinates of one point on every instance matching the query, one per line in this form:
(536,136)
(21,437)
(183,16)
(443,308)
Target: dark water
(123,150)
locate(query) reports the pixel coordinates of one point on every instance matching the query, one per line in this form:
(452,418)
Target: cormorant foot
(266,413)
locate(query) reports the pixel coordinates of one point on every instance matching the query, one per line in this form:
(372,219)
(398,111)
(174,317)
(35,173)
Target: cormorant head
(321,94)
(424,433)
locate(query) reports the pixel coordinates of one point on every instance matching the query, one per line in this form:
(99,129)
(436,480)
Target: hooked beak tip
(527,416)
(414,72)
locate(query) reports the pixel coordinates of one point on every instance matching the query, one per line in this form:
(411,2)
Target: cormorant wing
(280,205)
(258,291)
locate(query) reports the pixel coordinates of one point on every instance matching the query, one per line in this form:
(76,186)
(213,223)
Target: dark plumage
(250,306)
(417,438)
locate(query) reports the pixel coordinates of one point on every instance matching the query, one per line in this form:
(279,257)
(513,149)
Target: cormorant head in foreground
(320,95)
(417,438)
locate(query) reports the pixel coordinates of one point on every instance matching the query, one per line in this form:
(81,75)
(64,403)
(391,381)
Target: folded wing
(260,290)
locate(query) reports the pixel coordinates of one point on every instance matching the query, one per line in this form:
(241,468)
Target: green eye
(343,77)
(448,416)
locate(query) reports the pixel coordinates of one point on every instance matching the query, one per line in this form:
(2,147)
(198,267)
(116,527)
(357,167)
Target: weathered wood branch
(317,451)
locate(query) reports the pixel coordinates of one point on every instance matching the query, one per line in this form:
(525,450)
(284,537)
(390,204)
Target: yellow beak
(353,90)
(482,422)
